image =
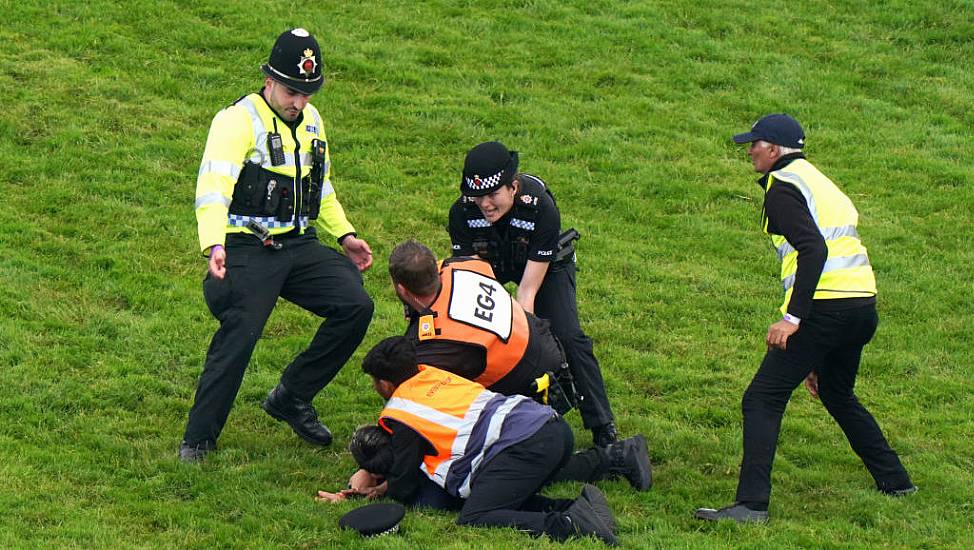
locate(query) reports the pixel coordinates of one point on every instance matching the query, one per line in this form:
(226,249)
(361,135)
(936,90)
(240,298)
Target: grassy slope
(624,108)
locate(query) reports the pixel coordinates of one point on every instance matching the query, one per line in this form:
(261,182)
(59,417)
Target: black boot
(586,521)
(630,458)
(605,435)
(301,415)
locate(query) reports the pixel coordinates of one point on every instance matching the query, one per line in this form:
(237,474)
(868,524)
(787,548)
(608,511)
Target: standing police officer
(511,220)
(829,315)
(263,180)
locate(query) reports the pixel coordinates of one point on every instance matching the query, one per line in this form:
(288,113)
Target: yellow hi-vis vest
(238,135)
(847,273)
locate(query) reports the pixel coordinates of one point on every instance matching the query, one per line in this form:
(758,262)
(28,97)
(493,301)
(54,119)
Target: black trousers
(556,302)
(830,343)
(504,492)
(304,272)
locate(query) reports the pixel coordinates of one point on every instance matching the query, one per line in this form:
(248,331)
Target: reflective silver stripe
(522,224)
(794,178)
(317,116)
(212,198)
(493,434)
(270,222)
(833,264)
(478,223)
(222,167)
(459,447)
(427,413)
(327,189)
(829,234)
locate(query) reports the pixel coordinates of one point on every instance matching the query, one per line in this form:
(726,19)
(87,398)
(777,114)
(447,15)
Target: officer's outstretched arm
(527,289)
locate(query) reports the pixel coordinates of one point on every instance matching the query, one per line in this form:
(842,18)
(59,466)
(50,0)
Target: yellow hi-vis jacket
(238,140)
(847,273)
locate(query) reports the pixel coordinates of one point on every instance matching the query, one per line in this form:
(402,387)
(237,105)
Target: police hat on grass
(295,62)
(373,520)
(487,167)
(779,129)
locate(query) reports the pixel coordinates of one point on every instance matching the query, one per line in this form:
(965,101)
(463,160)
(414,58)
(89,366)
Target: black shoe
(605,435)
(594,496)
(630,458)
(301,415)
(899,492)
(735,512)
(586,521)
(196,452)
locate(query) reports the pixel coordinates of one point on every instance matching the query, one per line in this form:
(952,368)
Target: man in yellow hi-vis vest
(829,315)
(263,182)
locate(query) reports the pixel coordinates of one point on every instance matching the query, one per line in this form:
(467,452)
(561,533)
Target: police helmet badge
(307,64)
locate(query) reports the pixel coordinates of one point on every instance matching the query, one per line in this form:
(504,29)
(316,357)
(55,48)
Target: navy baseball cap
(779,129)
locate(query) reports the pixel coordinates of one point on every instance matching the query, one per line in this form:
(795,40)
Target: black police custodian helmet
(487,167)
(296,61)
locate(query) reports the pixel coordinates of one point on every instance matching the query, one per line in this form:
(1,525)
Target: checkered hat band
(479,184)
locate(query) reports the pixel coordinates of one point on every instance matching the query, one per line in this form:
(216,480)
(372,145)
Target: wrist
(215,247)
(341,240)
(792,319)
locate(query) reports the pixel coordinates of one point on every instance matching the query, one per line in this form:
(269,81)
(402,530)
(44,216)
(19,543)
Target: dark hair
(371,450)
(413,265)
(393,359)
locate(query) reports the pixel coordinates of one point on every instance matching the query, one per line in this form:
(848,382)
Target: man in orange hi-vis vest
(463,320)
(494,452)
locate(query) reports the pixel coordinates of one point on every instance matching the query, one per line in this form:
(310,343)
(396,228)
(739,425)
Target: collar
(785,160)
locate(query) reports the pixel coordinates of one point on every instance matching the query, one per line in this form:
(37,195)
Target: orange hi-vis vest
(474,308)
(446,409)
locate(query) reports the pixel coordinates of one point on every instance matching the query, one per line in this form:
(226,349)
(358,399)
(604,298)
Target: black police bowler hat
(295,61)
(779,129)
(373,520)
(487,167)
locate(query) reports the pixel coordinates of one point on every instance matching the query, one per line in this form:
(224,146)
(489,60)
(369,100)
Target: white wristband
(792,319)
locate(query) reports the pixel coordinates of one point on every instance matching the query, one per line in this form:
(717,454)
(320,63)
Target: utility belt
(557,389)
(564,254)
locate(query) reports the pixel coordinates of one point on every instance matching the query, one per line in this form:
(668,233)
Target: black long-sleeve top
(408,450)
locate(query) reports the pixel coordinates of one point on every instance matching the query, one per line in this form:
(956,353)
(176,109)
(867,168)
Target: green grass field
(625,108)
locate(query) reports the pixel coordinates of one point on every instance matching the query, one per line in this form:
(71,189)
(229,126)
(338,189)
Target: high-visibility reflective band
(478,223)
(833,264)
(493,434)
(260,139)
(222,167)
(269,222)
(212,198)
(429,413)
(522,224)
(794,178)
(829,234)
(327,188)
(459,446)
